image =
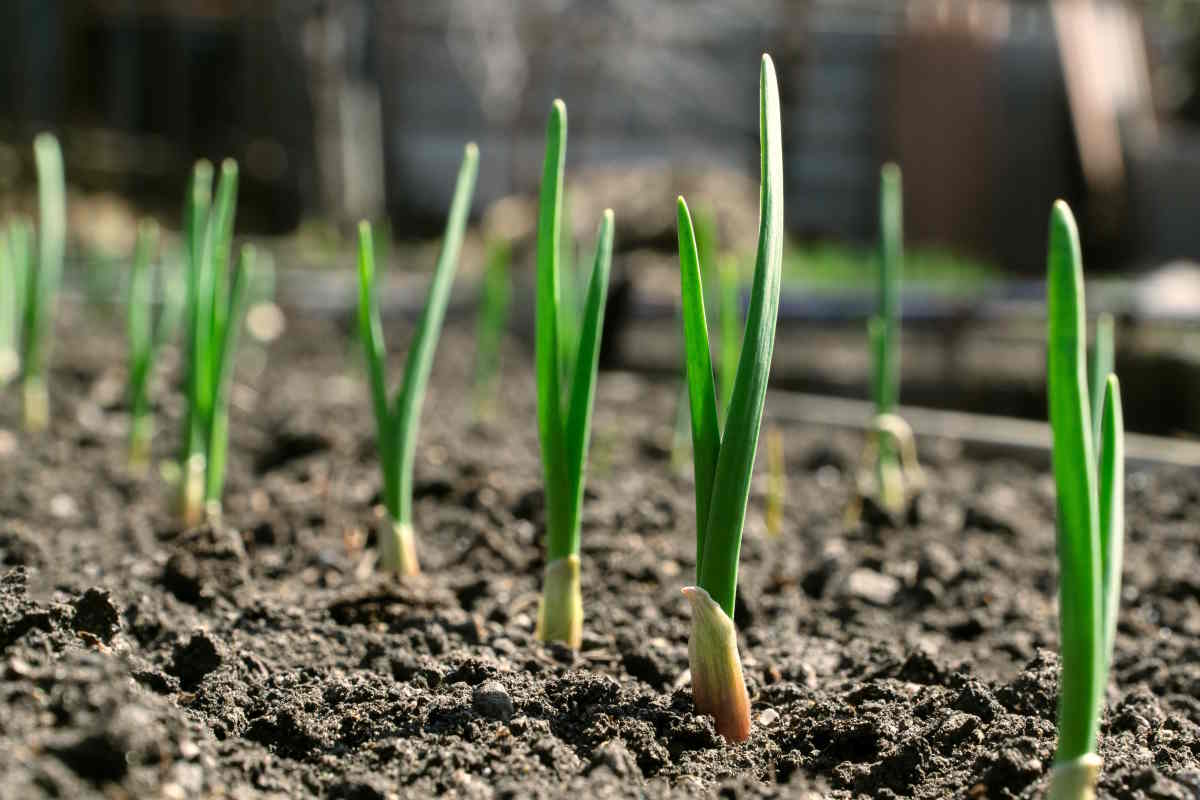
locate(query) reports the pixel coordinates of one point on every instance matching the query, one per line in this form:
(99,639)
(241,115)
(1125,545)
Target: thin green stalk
(140,327)
(10,311)
(1075,475)
(547,355)
(1112,510)
(491,325)
(564,436)
(226,347)
(1100,367)
(43,282)
(397,425)
(197,207)
(891,260)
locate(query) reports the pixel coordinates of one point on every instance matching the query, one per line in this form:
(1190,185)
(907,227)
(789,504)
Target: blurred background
(349,109)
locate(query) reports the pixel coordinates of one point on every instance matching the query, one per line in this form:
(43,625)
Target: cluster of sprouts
(723,411)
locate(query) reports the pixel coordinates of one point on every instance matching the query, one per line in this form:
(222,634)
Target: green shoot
(490,327)
(1090,515)
(214,312)
(724,461)
(1100,366)
(41,284)
(889,480)
(14,271)
(564,436)
(397,420)
(145,338)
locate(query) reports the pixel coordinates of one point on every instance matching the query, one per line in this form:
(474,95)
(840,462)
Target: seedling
(890,472)
(397,420)
(215,311)
(145,339)
(41,284)
(14,272)
(723,461)
(564,436)
(490,326)
(1091,513)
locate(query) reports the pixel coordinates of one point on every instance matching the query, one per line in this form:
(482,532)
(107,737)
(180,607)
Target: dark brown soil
(262,658)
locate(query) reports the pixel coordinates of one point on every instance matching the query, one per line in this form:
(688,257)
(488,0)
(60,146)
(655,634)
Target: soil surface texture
(262,657)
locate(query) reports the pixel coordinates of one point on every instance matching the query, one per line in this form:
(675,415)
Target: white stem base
(398,550)
(560,612)
(1075,780)
(718,687)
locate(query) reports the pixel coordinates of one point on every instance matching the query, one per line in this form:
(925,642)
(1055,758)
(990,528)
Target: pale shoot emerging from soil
(564,433)
(397,420)
(144,341)
(42,281)
(889,480)
(495,299)
(724,461)
(14,271)
(1090,516)
(215,309)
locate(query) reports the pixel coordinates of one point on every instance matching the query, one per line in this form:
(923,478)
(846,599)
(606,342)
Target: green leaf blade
(891,262)
(701,388)
(1112,508)
(735,464)
(583,383)
(547,355)
(370,332)
(1080,615)
(223,368)
(43,281)
(407,415)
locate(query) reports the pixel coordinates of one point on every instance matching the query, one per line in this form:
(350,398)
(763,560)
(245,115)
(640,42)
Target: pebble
(768,717)
(490,699)
(872,587)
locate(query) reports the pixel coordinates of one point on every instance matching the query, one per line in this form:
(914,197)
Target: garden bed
(263,658)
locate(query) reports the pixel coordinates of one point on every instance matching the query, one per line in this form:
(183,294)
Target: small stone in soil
(872,587)
(490,699)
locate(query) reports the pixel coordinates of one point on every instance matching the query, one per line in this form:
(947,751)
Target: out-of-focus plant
(495,298)
(146,337)
(215,309)
(14,272)
(42,281)
(889,471)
